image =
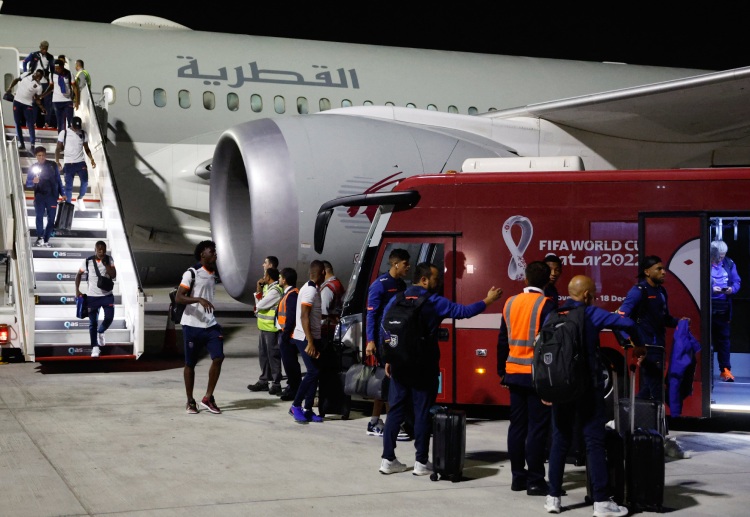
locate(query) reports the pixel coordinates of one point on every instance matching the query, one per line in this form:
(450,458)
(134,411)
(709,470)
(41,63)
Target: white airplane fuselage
(174,93)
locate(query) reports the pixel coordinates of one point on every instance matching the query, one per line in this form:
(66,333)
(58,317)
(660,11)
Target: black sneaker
(258,386)
(288,393)
(275,390)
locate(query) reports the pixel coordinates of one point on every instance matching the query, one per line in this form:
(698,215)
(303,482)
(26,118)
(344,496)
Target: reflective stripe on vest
(266,316)
(281,312)
(522,318)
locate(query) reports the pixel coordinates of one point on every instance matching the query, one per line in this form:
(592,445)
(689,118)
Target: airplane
(241,138)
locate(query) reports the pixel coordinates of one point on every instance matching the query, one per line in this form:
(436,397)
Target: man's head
(44,46)
(537,274)
(718,251)
(59,66)
(317,272)
(79,64)
(100,249)
(555,267)
(40,153)
(270,261)
(427,275)
(76,123)
(399,261)
(38,74)
(288,277)
(582,289)
(652,270)
(328,268)
(272,275)
(205,252)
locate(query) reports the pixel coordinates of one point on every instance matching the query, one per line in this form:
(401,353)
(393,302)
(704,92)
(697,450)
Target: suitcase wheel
(434,476)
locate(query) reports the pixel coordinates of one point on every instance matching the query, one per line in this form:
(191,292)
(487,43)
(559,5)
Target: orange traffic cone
(170,340)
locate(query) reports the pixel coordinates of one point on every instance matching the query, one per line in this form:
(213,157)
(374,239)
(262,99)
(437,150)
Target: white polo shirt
(309,296)
(204,286)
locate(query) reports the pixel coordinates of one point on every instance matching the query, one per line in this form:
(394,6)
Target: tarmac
(112,438)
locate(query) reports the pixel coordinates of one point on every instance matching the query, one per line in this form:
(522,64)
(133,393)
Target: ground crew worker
(529,427)
(269,354)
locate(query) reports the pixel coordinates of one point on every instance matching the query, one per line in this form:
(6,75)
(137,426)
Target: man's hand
(370,348)
(493,295)
(311,350)
(57,162)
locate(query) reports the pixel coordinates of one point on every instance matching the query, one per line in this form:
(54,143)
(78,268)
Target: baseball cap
(76,122)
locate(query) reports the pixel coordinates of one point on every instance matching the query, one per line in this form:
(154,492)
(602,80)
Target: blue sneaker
(298,414)
(312,417)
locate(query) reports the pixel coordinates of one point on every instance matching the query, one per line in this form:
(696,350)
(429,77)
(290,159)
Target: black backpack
(404,331)
(559,369)
(177,309)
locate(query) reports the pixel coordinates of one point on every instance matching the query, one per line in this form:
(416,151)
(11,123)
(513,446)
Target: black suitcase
(448,444)
(64,217)
(644,461)
(331,397)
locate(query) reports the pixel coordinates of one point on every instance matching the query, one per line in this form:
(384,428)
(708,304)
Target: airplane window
(183,98)
(389,103)
(367,103)
(346,103)
(209,100)
(473,110)
(492,109)
(256,103)
(279,104)
(302,108)
(452,109)
(134,96)
(411,105)
(233,101)
(431,107)
(160,97)
(324,104)
(109,94)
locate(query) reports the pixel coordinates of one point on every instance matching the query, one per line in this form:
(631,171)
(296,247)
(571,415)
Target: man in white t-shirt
(26,103)
(62,94)
(72,142)
(199,326)
(306,337)
(98,297)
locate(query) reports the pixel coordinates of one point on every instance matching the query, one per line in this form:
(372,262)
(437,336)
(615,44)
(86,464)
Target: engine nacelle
(269,177)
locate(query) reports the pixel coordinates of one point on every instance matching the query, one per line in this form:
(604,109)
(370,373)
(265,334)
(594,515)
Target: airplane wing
(713,107)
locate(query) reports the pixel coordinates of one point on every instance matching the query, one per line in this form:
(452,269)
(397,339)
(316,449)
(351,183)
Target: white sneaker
(95,351)
(46,245)
(100,339)
(673,449)
(39,243)
(553,504)
(80,205)
(391,467)
(422,469)
(403,436)
(609,509)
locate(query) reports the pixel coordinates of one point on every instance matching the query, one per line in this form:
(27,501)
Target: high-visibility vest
(281,311)
(266,317)
(522,314)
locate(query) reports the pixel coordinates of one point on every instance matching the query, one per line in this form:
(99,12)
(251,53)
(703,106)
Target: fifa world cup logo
(517,264)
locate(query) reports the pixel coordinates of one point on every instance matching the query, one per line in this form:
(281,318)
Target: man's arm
(305,320)
(503,349)
(271,299)
(58,179)
(88,153)
(291,314)
(374,294)
(58,151)
(183,298)
(734,279)
(13,83)
(78,282)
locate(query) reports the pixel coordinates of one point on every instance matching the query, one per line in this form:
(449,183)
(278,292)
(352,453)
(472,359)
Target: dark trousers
(49,117)
(527,435)
(422,400)
(95,303)
(45,205)
(590,410)
(309,384)
(652,374)
(63,112)
(269,357)
(25,114)
(70,170)
(289,358)
(720,327)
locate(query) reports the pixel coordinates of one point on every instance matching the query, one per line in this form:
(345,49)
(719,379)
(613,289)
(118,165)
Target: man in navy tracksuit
(44,177)
(421,385)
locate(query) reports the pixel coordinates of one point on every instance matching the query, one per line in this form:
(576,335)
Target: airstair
(38,302)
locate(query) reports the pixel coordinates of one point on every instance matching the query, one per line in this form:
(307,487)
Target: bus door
(681,240)
(437,249)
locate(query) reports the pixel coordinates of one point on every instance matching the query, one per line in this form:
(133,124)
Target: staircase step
(79,335)
(89,213)
(73,324)
(79,224)
(65,286)
(76,234)
(62,253)
(66,298)
(65,244)
(82,351)
(67,311)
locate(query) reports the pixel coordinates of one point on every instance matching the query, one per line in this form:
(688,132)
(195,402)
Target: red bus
(482,228)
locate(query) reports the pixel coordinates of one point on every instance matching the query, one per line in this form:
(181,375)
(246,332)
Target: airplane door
(682,242)
(9,68)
